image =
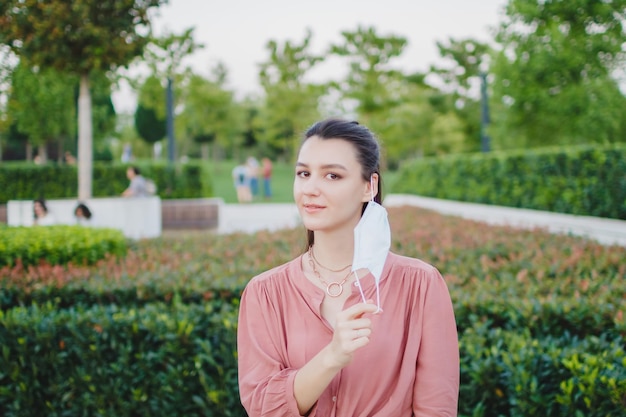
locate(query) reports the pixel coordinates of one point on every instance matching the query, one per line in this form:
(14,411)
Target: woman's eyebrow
(325,166)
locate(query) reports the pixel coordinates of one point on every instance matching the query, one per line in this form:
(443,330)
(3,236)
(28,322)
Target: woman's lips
(313,208)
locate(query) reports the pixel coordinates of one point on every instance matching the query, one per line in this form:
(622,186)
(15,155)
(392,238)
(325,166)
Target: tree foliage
(148,125)
(291,103)
(165,54)
(42,92)
(370,75)
(458,81)
(76,36)
(79,36)
(210,114)
(554,72)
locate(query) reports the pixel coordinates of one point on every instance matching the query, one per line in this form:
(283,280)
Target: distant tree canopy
(148,125)
(78,37)
(290,103)
(550,69)
(554,73)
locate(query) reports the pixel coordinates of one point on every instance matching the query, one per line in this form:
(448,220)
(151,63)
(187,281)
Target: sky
(235,32)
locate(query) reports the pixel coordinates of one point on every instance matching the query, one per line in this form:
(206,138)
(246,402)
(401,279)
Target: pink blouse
(409,368)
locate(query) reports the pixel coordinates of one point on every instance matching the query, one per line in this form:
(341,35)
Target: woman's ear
(371,188)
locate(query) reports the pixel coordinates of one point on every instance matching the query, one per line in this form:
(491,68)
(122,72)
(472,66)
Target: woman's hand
(352,331)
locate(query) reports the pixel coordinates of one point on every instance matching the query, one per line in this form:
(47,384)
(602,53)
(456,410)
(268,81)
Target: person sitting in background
(69,158)
(82,214)
(138,184)
(42,216)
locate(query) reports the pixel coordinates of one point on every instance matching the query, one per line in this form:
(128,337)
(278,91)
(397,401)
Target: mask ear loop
(358,284)
(356,276)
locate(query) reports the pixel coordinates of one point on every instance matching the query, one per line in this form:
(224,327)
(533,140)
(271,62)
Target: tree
(7,63)
(458,80)
(148,125)
(79,36)
(371,78)
(164,56)
(42,104)
(210,113)
(291,103)
(554,74)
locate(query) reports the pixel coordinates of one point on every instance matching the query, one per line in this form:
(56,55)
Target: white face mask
(372,240)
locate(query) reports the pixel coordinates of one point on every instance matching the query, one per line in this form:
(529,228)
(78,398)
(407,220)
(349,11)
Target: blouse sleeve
(265,384)
(436,388)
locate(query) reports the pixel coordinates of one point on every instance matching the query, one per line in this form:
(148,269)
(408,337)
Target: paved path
(273,216)
(250,218)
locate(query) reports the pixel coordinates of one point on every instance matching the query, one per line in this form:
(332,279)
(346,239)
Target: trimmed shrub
(583,180)
(24,181)
(58,245)
(540,317)
(161,360)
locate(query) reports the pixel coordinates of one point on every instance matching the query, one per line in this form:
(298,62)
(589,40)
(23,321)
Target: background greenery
(551,76)
(282,182)
(540,318)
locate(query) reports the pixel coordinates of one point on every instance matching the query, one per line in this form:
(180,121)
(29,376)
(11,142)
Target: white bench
(137,218)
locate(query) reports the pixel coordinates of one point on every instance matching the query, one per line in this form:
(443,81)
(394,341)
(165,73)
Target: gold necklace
(312,254)
(334,289)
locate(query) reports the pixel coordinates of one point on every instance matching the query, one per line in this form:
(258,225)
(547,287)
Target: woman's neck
(333,251)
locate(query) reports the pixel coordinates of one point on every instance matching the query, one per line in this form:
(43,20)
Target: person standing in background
(242,183)
(127,153)
(267,178)
(253,175)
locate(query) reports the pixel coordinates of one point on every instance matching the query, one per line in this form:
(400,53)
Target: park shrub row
(582,180)
(158,360)
(58,245)
(540,321)
(26,181)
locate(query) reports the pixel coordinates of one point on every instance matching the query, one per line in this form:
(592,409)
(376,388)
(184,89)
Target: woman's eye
(302,174)
(333,176)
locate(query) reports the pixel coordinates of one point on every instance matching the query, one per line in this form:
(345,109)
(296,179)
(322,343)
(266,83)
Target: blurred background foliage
(551,77)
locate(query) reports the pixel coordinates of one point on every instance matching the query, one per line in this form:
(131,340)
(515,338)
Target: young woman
(324,336)
(42,216)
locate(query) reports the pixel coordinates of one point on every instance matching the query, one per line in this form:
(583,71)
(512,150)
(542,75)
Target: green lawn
(282,182)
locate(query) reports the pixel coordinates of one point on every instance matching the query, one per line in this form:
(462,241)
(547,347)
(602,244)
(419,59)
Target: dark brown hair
(364,142)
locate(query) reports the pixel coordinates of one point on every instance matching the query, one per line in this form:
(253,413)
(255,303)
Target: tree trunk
(204,151)
(60,150)
(85,139)
(29,152)
(43,153)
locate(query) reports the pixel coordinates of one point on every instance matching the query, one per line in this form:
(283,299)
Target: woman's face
(328,189)
(39,211)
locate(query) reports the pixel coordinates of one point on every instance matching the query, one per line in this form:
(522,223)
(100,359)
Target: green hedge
(540,317)
(176,359)
(161,360)
(58,245)
(510,373)
(583,180)
(24,181)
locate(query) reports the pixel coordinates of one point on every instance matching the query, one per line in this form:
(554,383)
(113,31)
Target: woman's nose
(311,186)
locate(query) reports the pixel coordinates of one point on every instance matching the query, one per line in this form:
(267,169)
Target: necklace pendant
(334,289)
